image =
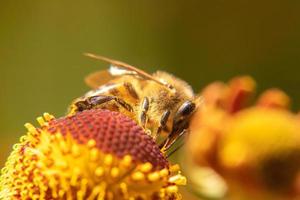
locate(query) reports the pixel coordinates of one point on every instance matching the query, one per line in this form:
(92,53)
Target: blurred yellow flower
(255,148)
(96,154)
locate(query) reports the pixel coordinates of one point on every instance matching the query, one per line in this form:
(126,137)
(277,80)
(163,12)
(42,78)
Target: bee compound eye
(186,109)
(182,114)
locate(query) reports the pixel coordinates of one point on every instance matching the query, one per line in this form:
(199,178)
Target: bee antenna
(128,67)
(105,59)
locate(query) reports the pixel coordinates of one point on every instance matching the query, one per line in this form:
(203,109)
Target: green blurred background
(41,46)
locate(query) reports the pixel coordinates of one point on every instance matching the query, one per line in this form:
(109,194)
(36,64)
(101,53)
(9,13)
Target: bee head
(181,102)
(181,87)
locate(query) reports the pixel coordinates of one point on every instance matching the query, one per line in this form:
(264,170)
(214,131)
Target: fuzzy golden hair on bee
(180,85)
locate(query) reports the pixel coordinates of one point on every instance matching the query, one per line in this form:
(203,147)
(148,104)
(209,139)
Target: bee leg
(82,105)
(124,104)
(144,109)
(130,89)
(163,122)
(100,99)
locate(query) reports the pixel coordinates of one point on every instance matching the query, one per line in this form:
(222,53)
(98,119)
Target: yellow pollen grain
(172,189)
(138,176)
(146,167)
(126,161)
(64,146)
(123,187)
(80,195)
(162,193)
(99,171)
(94,154)
(174,168)
(74,179)
(61,193)
(62,164)
(153,176)
(108,159)
(163,172)
(75,150)
(114,172)
(77,171)
(58,136)
(91,143)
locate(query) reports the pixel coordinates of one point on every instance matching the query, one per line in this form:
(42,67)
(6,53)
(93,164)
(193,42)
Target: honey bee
(160,103)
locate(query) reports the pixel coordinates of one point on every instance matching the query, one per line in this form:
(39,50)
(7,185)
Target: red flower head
(95,154)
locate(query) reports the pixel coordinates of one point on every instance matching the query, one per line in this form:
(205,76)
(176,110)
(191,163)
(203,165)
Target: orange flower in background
(95,154)
(255,148)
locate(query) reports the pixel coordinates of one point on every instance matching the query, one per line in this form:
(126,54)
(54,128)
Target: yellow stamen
(138,176)
(153,177)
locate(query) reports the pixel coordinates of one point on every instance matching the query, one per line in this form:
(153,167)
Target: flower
(255,148)
(95,154)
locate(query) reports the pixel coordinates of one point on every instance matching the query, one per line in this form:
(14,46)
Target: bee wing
(117,71)
(95,79)
(118,68)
